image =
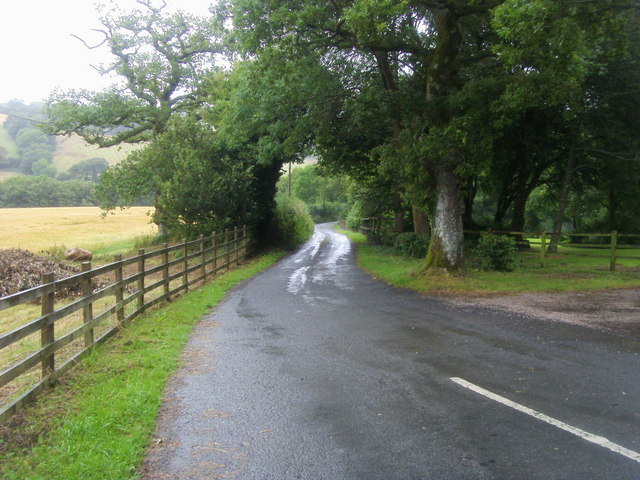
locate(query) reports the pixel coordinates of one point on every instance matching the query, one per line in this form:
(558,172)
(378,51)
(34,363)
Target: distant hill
(69,150)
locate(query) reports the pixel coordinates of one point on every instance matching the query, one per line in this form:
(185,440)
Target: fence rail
(118,291)
(611,246)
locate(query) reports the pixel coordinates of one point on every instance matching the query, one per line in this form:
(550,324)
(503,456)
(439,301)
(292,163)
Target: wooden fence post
(202,258)
(244,241)
(185,265)
(141,279)
(87,310)
(119,293)
(47,335)
(614,246)
(227,239)
(165,270)
(235,245)
(214,250)
(543,247)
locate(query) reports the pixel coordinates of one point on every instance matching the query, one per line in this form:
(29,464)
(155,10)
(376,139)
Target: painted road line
(590,437)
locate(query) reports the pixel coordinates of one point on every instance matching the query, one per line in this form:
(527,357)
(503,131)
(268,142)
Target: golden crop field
(39,229)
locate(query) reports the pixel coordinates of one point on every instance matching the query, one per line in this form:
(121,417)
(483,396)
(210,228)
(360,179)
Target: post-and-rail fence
(36,352)
(611,246)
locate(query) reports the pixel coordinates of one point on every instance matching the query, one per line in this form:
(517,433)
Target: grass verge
(561,273)
(97,422)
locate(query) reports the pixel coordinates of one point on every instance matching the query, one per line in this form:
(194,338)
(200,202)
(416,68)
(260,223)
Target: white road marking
(590,437)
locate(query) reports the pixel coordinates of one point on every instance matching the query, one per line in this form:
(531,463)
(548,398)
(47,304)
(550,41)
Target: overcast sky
(38,53)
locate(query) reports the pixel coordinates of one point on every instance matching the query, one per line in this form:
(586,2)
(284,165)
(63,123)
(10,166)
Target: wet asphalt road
(313,370)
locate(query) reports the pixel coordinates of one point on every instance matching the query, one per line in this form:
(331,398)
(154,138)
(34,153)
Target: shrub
(411,244)
(495,252)
(354,216)
(387,237)
(292,225)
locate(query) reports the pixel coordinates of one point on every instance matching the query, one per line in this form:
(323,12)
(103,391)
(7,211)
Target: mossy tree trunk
(420,222)
(446,249)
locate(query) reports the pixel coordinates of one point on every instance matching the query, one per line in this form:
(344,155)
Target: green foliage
(44,191)
(292,225)
(5,161)
(411,244)
(354,216)
(324,195)
(89,169)
(33,146)
(43,167)
(495,252)
(161,57)
(20,116)
(486,94)
(200,182)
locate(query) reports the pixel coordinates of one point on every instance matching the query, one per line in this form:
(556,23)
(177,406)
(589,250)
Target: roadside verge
(97,422)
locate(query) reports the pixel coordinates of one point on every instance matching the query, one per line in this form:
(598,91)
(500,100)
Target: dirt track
(616,310)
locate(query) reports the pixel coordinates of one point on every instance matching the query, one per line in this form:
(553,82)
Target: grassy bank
(561,273)
(97,422)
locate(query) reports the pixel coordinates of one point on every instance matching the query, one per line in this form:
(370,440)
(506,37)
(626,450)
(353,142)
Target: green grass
(560,273)
(97,423)
(104,252)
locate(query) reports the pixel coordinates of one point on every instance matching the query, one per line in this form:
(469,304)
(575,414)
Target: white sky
(38,53)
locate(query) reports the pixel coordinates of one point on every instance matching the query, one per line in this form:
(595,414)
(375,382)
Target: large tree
(419,51)
(455,74)
(162,59)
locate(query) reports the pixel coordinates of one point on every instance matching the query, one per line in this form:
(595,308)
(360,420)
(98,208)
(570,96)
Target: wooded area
(464,113)
(112,295)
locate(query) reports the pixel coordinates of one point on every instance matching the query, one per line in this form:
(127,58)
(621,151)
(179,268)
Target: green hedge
(292,225)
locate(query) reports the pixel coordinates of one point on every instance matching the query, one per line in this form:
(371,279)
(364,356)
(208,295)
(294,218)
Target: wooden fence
(610,247)
(34,352)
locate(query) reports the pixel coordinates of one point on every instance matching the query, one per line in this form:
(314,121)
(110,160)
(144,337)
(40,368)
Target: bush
(354,217)
(411,244)
(495,252)
(387,237)
(292,225)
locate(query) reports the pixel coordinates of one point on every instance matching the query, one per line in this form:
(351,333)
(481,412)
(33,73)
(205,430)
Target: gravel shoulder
(614,310)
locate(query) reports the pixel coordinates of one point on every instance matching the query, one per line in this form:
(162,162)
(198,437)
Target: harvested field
(43,229)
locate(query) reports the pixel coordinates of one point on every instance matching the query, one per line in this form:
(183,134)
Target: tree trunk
(446,249)
(467,200)
(160,219)
(420,222)
(517,217)
(398,220)
(565,191)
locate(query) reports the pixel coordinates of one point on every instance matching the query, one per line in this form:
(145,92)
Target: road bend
(314,370)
